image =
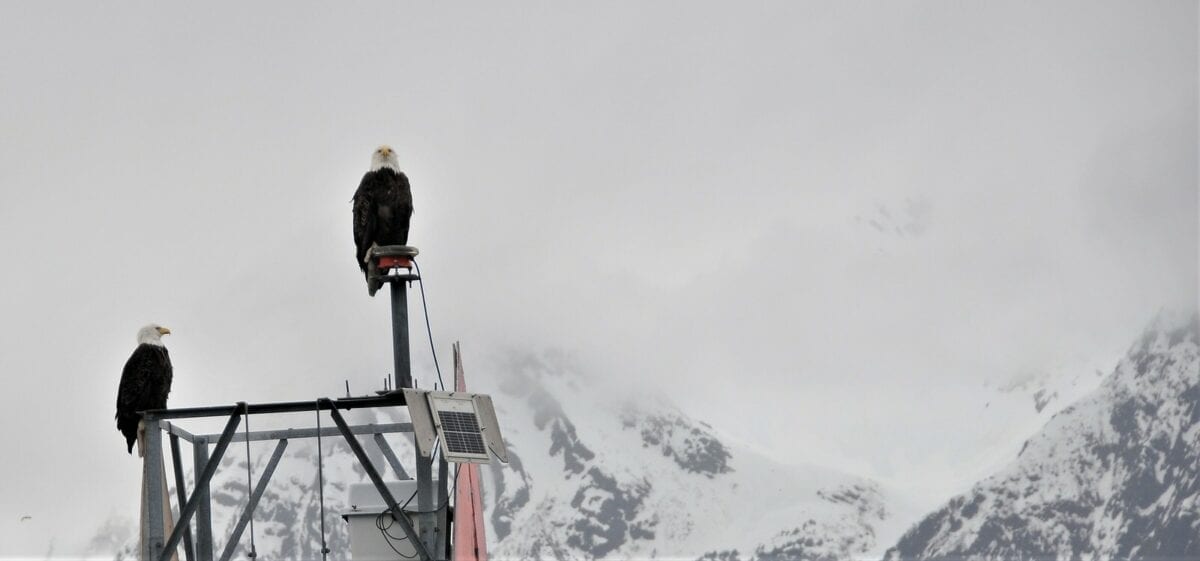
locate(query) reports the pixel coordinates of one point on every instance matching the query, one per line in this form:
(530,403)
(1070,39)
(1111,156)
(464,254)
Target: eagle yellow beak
(164,331)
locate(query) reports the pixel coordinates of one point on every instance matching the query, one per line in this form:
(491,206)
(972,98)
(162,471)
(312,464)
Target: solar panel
(461,431)
(464,423)
(457,420)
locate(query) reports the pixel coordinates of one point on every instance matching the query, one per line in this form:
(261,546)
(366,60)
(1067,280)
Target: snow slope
(1114,476)
(597,473)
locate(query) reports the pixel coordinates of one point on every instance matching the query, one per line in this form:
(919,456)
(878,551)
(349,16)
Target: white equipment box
(368,513)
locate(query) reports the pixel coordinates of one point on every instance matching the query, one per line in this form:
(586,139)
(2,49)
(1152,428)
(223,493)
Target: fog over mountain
(598,471)
(832,232)
(1113,476)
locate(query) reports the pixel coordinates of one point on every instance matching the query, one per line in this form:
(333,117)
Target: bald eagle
(383,206)
(145,382)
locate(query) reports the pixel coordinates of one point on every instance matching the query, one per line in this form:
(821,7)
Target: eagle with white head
(383,205)
(145,382)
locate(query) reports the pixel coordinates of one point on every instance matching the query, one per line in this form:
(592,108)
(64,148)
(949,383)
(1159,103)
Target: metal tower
(431,536)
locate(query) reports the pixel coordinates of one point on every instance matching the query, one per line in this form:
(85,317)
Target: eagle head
(152,334)
(384,157)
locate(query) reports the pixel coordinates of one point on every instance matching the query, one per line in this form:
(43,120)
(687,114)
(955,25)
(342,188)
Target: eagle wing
(145,383)
(364,220)
(383,207)
(404,208)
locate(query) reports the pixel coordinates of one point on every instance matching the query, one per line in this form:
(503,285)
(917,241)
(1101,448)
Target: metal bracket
(395,255)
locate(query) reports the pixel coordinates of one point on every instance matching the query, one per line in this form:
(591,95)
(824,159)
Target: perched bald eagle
(145,382)
(383,206)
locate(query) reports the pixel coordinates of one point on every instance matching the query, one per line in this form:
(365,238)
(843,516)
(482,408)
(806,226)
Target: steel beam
(293,434)
(390,456)
(390,399)
(174,430)
(202,481)
(373,474)
(425,500)
(402,373)
(443,509)
(259,488)
(181,491)
(152,473)
(204,541)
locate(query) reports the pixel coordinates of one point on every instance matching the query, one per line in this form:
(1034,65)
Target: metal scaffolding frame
(159,545)
(387,264)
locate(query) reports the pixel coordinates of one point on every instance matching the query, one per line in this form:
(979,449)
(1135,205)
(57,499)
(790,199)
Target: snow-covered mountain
(598,471)
(1114,476)
(599,474)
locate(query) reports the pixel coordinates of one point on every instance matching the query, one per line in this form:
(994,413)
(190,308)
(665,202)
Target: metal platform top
(390,399)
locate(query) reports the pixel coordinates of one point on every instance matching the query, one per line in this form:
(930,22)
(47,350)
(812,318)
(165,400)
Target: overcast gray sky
(832,220)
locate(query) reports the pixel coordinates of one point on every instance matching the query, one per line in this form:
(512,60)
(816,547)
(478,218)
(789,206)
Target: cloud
(668,195)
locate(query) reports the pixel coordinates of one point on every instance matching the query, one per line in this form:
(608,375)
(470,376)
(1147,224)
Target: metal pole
(181,490)
(427,520)
(443,526)
(152,479)
(204,541)
(390,456)
(403,370)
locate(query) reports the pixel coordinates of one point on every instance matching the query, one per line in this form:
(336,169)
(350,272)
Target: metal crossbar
(390,456)
(293,434)
(391,399)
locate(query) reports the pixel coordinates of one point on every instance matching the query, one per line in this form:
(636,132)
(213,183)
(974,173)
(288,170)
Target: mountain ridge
(1112,476)
(686,492)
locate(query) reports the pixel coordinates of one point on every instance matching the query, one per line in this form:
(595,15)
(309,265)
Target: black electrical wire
(379,518)
(428,329)
(383,529)
(388,537)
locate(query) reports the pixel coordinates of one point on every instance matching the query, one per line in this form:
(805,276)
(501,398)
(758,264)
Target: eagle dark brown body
(383,206)
(145,383)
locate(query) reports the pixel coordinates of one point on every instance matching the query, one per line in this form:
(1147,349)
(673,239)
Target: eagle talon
(141,439)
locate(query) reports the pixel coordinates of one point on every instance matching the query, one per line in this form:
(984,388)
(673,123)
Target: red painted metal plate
(470,541)
(395,262)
